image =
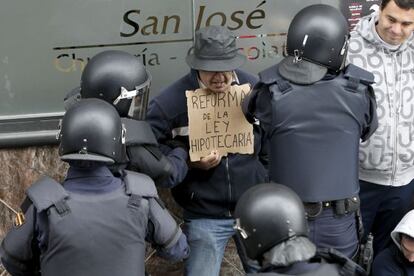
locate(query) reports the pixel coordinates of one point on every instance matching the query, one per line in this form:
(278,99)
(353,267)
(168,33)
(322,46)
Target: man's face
(395,25)
(216,81)
(407,246)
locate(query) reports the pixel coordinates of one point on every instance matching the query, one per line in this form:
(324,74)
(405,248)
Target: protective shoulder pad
(138,133)
(355,72)
(46,192)
(270,75)
(139,184)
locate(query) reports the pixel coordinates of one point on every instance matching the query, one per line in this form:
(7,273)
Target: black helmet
(120,79)
(319,34)
(268,214)
(91,130)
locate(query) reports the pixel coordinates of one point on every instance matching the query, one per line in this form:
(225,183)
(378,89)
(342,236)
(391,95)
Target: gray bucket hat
(301,72)
(215,50)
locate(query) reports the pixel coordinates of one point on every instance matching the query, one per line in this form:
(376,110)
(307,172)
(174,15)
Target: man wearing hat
(212,186)
(316,111)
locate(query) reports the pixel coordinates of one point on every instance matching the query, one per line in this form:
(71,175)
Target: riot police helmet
(91,130)
(319,34)
(119,78)
(267,215)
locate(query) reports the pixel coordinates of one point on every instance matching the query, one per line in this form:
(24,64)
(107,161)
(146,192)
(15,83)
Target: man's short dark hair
(403,4)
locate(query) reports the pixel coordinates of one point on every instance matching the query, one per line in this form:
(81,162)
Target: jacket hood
(366,28)
(405,226)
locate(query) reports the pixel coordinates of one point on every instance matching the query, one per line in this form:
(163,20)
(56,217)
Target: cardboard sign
(216,122)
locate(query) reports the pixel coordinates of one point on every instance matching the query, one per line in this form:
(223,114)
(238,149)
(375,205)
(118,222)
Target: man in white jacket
(398,258)
(383,44)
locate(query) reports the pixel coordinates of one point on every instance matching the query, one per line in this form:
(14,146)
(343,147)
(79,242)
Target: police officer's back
(270,218)
(319,111)
(95,224)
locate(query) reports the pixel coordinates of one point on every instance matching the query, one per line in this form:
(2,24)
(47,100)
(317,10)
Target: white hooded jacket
(405,226)
(387,158)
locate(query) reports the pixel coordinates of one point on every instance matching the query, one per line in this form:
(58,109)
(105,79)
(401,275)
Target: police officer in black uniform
(122,80)
(95,223)
(319,111)
(270,218)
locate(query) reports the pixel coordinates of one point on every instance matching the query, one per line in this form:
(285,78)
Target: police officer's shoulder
(46,192)
(270,75)
(138,133)
(139,184)
(356,72)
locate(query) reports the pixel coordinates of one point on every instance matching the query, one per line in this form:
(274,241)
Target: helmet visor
(139,103)
(139,100)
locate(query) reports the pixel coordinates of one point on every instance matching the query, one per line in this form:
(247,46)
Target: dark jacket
(390,262)
(211,193)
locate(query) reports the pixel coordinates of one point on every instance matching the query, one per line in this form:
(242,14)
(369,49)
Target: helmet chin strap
(59,130)
(345,46)
(344,52)
(297,56)
(125,94)
(123,136)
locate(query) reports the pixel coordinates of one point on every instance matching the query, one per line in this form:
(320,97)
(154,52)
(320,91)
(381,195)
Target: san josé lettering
(139,22)
(136,23)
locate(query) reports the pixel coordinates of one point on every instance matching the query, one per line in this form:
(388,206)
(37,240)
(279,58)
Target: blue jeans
(338,232)
(208,239)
